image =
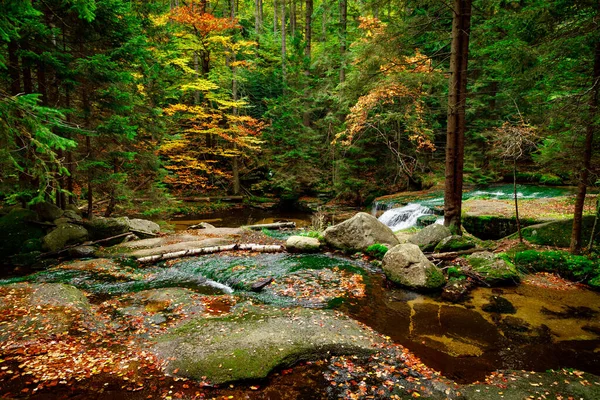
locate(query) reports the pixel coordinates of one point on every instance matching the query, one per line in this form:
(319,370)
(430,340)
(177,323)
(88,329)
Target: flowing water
(403,217)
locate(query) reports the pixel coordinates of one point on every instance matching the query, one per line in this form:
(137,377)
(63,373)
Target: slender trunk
(283,43)
(343,29)
(293,17)
(587,156)
(197,73)
(258,16)
(13,68)
(324,23)
(307,55)
(461,24)
(234,94)
(41,82)
(275,16)
(595,227)
(516,200)
(26,67)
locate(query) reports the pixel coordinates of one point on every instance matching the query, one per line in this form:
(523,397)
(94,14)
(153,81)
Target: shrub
(377,250)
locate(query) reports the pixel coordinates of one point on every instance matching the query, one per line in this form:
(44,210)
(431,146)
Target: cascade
(404,217)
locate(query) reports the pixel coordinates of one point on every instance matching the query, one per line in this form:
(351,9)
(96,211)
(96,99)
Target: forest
(299,199)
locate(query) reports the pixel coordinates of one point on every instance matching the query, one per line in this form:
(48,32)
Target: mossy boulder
(64,235)
(101,228)
(428,237)
(358,233)
(558,233)
(406,265)
(426,220)
(48,211)
(302,244)
(495,269)
(454,243)
(16,229)
(253,341)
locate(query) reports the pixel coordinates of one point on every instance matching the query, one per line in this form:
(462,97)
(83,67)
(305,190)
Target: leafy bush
(571,266)
(549,179)
(377,250)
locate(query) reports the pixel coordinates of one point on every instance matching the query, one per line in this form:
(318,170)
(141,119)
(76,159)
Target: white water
(218,285)
(404,217)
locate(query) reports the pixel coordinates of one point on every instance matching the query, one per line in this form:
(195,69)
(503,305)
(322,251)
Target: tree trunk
(293,17)
(283,43)
(13,68)
(584,177)
(234,94)
(516,200)
(258,16)
(461,24)
(343,29)
(307,55)
(275,16)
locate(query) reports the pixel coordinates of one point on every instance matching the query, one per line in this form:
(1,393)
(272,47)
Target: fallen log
(453,254)
(217,198)
(275,225)
(210,250)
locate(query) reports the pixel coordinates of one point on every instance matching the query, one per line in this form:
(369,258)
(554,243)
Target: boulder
(64,235)
(428,237)
(143,226)
(202,225)
(74,208)
(456,291)
(454,243)
(101,228)
(426,220)
(72,215)
(48,211)
(358,233)
(406,265)
(82,252)
(254,341)
(302,244)
(494,269)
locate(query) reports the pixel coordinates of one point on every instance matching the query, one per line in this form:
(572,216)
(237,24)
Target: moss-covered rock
(454,243)
(558,233)
(496,269)
(64,235)
(254,341)
(426,220)
(572,266)
(100,228)
(48,211)
(406,265)
(15,230)
(492,227)
(302,244)
(428,237)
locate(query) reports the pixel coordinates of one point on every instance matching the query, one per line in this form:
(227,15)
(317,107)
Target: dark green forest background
(135,102)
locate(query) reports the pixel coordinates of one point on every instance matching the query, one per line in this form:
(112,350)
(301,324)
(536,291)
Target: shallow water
(466,343)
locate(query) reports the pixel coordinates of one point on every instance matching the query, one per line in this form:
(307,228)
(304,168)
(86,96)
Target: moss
(571,266)
(496,269)
(455,273)
(426,220)
(377,250)
(558,233)
(435,278)
(454,243)
(493,227)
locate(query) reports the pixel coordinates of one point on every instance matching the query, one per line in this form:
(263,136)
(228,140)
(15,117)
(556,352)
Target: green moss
(571,266)
(558,233)
(435,278)
(377,250)
(496,269)
(455,273)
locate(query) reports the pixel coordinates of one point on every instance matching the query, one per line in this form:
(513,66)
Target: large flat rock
(253,341)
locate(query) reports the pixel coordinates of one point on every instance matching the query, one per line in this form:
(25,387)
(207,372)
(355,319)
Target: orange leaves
(203,23)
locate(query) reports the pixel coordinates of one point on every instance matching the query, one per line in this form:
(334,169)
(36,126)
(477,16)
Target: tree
(457,97)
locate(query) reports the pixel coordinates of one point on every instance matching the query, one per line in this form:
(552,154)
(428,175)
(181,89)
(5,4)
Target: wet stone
(499,305)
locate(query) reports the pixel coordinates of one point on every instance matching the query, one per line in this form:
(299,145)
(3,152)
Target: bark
(13,68)
(258,16)
(283,42)
(293,17)
(584,177)
(455,141)
(595,227)
(210,250)
(343,38)
(275,225)
(234,94)
(275,16)
(307,55)
(516,200)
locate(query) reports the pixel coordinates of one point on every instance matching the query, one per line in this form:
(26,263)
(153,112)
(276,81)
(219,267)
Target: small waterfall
(380,206)
(404,217)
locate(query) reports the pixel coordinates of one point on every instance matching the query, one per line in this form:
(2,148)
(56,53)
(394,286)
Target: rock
(428,237)
(82,252)
(456,291)
(202,225)
(255,341)
(61,221)
(16,230)
(358,233)
(260,284)
(101,228)
(499,305)
(454,243)
(426,220)
(494,269)
(406,265)
(73,208)
(64,235)
(72,215)
(53,308)
(48,211)
(558,233)
(143,226)
(302,244)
